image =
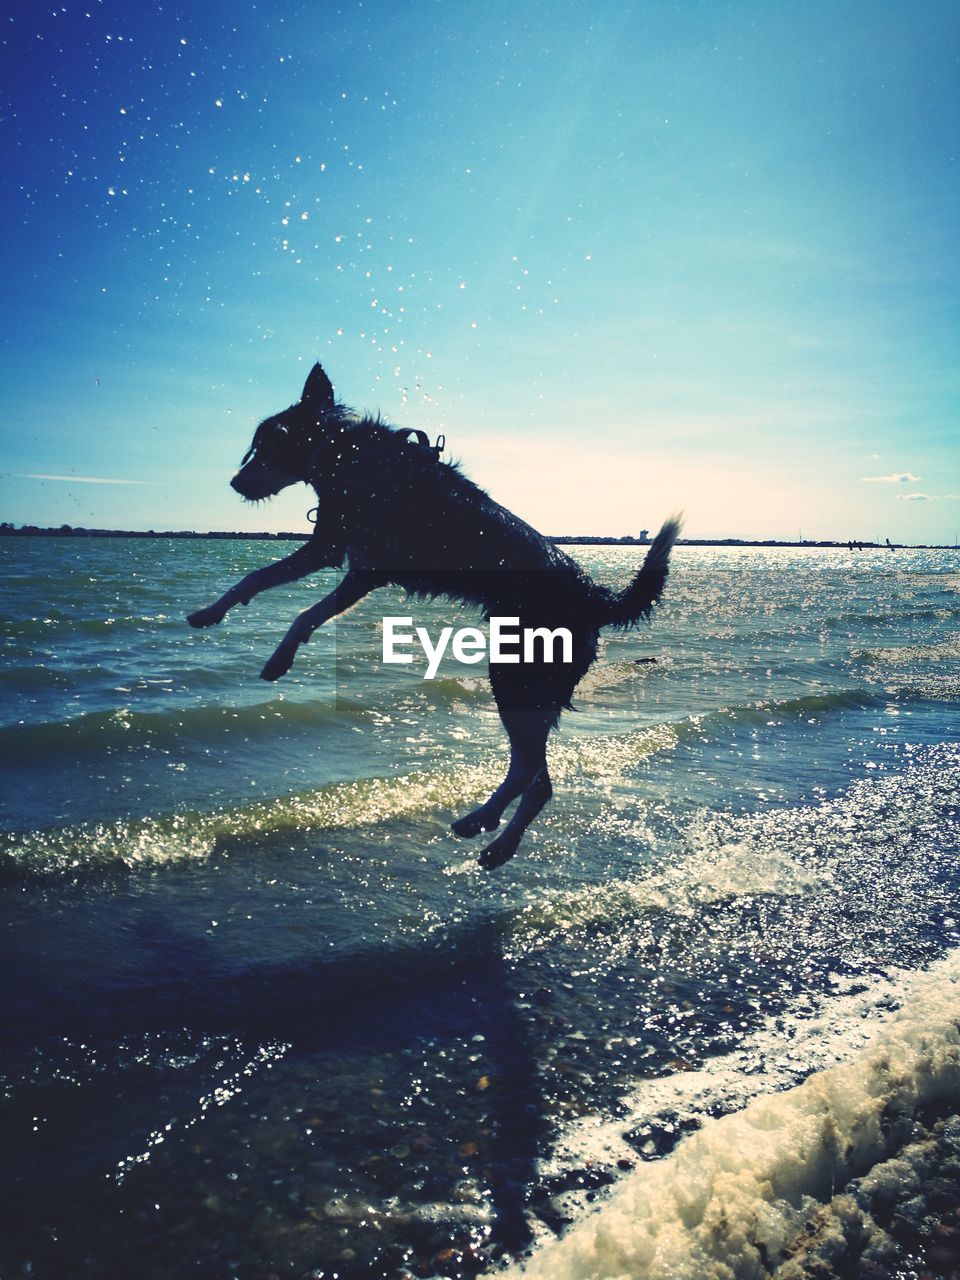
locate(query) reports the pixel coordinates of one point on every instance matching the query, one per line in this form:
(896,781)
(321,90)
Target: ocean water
(263,1014)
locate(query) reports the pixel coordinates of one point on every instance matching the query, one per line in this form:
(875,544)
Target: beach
(265,1015)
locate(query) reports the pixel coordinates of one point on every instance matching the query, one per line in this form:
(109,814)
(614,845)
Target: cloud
(898,477)
(80,479)
(929,497)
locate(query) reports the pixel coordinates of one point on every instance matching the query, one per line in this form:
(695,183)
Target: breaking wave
(733,1200)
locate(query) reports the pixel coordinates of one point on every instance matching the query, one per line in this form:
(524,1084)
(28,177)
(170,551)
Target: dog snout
(258,480)
(246,485)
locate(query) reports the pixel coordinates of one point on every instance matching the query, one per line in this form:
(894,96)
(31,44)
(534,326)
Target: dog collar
(423,442)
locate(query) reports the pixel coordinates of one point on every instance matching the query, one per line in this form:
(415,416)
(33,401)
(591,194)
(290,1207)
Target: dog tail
(646,589)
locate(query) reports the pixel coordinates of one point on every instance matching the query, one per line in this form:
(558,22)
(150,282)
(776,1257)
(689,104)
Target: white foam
(781,1053)
(716,869)
(726,1204)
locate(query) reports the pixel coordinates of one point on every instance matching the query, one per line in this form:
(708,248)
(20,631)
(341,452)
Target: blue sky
(629,257)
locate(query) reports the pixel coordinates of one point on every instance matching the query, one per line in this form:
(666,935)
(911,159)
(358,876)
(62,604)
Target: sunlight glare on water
(297,1017)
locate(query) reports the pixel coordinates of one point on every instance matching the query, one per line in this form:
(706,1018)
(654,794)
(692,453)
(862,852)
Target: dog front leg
(304,560)
(353,588)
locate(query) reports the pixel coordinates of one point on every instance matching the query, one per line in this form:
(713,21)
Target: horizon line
(9,529)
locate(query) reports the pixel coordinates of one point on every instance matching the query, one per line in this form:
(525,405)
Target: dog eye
(265,435)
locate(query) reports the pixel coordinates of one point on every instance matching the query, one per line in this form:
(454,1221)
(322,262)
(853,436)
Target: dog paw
(276,666)
(472,824)
(208,617)
(497,853)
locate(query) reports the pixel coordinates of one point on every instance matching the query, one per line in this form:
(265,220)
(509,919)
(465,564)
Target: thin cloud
(928,497)
(79,479)
(898,477)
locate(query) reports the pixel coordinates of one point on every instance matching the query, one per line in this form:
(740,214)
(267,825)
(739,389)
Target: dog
(397,514)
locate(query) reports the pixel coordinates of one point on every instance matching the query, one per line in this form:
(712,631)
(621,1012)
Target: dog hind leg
(530,698)
(527,777)
(488,816)
(527,729)
(535,795)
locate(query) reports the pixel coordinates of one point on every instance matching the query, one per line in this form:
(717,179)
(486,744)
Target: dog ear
(317,390)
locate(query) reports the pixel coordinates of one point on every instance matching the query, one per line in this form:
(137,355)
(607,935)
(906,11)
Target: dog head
(283,446)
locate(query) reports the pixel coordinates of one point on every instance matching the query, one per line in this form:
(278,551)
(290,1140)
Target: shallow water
(264,1015)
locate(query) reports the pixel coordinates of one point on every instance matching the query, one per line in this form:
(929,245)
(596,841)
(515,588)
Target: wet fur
(397,515)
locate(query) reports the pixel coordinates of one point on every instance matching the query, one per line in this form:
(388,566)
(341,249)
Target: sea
(264,1015)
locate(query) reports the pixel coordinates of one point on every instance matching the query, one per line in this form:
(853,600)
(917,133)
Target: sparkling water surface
(265,1016)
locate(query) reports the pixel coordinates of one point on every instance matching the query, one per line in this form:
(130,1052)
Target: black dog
(399,515)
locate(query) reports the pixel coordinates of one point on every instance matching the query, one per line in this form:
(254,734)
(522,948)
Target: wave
(938,651)
(802,707)
(32,676)
(735,1198)
(776,852)
(894,616)
(193,835)
(43,627)
(188,836)
(712,873)
(915,670)
(104,730)
(456,688)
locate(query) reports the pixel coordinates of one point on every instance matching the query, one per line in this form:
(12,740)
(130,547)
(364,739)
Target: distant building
(644,535)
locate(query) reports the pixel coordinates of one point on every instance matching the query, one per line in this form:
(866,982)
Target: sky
(631,258)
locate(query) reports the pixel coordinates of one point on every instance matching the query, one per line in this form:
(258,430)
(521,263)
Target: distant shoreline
(576,540)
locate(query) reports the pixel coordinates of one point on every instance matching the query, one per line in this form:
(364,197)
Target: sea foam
(731,1200)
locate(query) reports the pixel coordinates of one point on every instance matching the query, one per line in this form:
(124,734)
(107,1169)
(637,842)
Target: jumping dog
(398,514)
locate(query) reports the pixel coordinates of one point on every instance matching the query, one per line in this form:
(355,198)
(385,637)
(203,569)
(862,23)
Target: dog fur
(398,515)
